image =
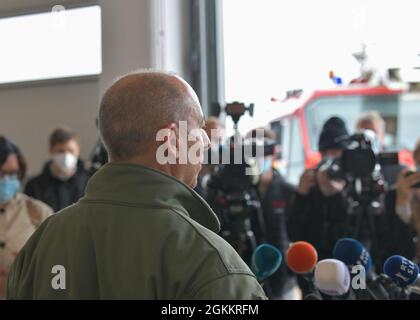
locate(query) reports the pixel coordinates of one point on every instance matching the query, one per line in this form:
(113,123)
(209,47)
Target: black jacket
(274,203)
(322,221)
(56,193)
(319,220)
(401,237)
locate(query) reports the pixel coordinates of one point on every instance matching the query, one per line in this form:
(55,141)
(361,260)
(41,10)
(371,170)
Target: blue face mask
(9,186)
(265,164)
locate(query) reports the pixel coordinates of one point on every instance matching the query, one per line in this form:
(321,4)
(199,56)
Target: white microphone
(332,278)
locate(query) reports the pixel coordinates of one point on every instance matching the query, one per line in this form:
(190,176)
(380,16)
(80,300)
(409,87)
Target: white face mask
(374,140)
(265,164)
(66,162)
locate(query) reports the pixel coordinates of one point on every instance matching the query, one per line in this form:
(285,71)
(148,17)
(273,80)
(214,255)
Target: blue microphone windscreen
(401,270)
(352,252)
(266,260)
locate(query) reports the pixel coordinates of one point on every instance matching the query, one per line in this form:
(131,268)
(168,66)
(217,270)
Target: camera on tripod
(232,186)
(361,168)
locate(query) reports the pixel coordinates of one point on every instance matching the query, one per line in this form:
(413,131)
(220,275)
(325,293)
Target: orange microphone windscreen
(301,257)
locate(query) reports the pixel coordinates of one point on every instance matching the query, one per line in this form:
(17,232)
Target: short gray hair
(372,117)
(137,105)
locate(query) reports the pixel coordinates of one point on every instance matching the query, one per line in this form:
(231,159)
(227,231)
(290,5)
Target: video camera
(360,167)
(358,159)
(236,162)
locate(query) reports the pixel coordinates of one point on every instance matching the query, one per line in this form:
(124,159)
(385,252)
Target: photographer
(372,120)
(407,205)
(318,213)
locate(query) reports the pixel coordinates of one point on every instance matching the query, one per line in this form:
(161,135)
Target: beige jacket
(18,221)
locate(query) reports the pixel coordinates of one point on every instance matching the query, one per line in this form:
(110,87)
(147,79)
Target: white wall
(126,38)
(172,36)
(28,113)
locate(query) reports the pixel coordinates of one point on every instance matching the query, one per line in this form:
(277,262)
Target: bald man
(140,232)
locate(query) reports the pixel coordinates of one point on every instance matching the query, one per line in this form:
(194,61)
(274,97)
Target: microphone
(352,253)
(301,257)
(400,278)
(265,261)
(332,278)
(403,271)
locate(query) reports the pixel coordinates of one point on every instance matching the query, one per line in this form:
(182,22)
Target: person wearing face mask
(63,180)
(275,194)
(374,126)
(20,215)
(319,208)
(403,214)
(397,235)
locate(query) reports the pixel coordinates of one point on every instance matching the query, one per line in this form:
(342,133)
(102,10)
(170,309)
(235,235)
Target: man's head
(142,112)
(332,142)
(373,121)
(332,138)
(64,150)
(271,149)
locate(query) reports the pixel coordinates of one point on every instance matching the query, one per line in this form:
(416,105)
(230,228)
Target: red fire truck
(304,115)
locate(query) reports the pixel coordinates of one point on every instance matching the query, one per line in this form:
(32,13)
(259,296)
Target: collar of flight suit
(139,185)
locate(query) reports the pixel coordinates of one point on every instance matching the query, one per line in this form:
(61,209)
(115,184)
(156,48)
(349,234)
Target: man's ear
(168,149)
(173,141)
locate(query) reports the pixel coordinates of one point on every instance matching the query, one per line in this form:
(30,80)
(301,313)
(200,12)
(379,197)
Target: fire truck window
(296,165)
(319,111)
(399,113)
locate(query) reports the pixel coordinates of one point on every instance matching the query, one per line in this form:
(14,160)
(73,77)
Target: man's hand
(307,182)
(328,186)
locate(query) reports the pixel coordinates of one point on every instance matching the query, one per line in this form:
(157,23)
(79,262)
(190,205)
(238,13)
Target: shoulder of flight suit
(218,272)
(184,259)
(231,287)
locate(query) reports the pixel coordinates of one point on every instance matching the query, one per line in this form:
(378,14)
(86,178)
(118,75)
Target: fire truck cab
(299,128)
